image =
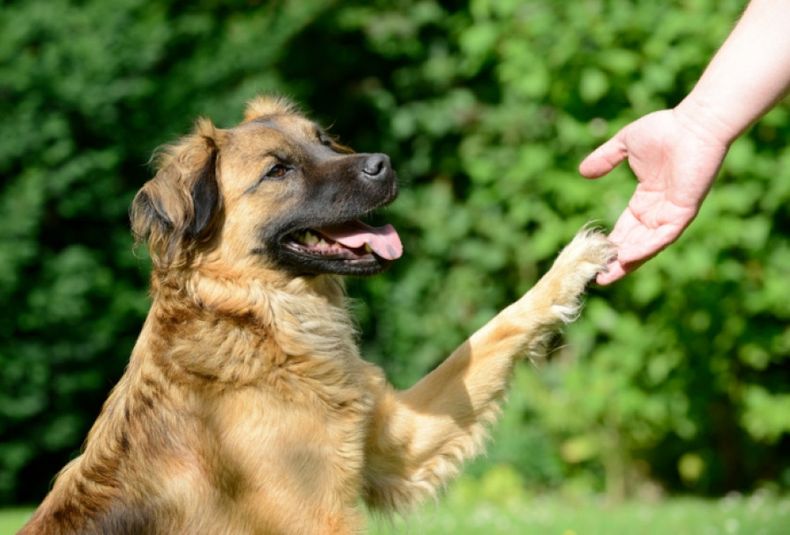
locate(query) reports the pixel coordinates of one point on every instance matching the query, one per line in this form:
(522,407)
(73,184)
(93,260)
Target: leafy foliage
(677,374)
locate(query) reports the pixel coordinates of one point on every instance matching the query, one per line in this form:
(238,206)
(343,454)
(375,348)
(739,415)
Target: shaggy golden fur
(246,408)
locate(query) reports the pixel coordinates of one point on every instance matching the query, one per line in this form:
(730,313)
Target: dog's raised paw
(589,252)
(579,262)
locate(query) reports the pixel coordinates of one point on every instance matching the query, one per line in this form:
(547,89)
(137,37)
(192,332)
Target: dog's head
(275,189)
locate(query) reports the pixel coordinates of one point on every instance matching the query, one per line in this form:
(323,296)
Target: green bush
(677,374)
(89,90)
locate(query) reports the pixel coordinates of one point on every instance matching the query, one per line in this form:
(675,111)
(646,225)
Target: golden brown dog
(246,408)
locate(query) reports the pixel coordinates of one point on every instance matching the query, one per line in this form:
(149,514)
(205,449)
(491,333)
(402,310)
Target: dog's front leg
(420,436)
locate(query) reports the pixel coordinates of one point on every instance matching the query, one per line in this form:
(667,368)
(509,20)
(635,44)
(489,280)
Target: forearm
(748,75)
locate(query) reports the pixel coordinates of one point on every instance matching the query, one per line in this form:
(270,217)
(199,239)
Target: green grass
(497,503)
(462,513)
(553,516)
(12,519)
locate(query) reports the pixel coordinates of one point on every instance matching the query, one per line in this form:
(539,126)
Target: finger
(614,272)
(634,239)
(604,158)
(643,244)
(628,234)
(638,241)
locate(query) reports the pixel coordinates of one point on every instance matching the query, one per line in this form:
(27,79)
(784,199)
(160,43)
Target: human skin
(676,153)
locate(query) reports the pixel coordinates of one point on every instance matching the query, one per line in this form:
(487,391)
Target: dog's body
(246,408)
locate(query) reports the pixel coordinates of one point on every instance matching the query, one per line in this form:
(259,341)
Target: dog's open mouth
(351,241)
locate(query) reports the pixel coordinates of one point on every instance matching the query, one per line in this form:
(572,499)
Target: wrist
(707,120)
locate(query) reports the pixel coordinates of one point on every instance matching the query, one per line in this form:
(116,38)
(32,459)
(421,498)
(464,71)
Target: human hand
(675,161)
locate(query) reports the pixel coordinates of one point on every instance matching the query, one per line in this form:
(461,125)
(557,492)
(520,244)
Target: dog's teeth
(322,243)
(310,238)
(367,248)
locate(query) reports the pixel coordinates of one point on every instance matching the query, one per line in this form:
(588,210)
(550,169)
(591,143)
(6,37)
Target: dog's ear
(175,210)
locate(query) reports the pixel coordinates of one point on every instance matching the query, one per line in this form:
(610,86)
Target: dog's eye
(277,171)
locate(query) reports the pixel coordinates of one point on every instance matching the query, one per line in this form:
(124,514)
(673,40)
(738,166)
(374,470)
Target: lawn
(552,516)
(12,519)
(759,514)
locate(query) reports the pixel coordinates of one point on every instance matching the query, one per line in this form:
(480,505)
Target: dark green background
(677,376)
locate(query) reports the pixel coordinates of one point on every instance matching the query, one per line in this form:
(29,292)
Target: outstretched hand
(675,162)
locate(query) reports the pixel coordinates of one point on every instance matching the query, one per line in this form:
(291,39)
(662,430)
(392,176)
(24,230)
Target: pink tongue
(384,241)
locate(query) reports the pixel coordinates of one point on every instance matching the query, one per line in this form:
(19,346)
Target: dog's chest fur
(241,376)
(242,423)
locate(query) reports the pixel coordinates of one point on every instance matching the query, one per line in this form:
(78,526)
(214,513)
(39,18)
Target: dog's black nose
(376,166)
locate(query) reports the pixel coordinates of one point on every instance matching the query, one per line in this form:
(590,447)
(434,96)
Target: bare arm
(676,153)
(747,76)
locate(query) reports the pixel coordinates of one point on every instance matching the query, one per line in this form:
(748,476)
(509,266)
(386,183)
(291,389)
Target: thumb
(604,158)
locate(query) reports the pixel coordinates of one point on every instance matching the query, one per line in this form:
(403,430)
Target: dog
(246,407)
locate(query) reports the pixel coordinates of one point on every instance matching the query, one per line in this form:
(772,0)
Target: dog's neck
(225,292)
(304,317)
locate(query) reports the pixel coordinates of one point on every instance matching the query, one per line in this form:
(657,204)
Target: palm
(674,166)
